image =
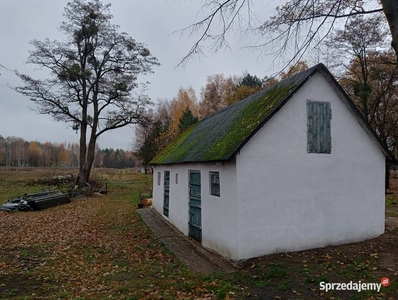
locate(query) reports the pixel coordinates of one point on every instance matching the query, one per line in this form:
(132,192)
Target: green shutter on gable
(319,138)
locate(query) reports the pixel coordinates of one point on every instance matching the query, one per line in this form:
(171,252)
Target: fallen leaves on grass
(92,248)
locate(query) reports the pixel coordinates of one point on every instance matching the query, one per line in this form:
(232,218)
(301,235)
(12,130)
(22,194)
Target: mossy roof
(220,136)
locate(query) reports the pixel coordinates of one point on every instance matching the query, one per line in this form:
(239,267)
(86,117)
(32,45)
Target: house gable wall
(290,200)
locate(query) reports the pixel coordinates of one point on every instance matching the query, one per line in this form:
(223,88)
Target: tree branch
(278,30)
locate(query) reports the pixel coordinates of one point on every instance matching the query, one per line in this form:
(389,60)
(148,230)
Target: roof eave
(193,162)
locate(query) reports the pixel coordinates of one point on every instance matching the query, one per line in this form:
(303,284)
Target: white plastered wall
(219,214)
(178,199)
(291,200)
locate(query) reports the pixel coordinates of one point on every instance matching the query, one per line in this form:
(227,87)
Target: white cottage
(292,167)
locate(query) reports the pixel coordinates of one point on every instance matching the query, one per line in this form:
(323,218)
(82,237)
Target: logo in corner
(385,281)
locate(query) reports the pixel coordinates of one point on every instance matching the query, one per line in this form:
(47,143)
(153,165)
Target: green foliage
(111,158)
(362,90)
(70,74)
(176,149)
(250,81)
(150,147)
(284,286)
(392,205)
(186,119)
(276,272)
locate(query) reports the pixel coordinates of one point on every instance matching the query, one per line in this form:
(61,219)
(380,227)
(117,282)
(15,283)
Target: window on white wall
(159,178)
(319,138)
(215,184)
(176,178)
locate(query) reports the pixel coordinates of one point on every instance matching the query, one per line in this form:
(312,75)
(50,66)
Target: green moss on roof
(219,136)
(246,122)
(177,149)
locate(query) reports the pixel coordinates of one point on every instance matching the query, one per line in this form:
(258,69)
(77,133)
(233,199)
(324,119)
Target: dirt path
(185,249)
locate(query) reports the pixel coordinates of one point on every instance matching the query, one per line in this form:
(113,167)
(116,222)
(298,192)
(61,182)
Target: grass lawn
(99,248)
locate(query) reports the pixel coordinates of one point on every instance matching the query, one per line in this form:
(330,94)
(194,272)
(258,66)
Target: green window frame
(215,184)
(319,137)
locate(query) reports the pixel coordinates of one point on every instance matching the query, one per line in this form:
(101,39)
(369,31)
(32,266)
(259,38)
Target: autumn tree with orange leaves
(161,124)
(217,94)
(186,98)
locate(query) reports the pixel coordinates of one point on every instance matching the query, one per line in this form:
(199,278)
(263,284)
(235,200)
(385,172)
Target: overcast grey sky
(149,21)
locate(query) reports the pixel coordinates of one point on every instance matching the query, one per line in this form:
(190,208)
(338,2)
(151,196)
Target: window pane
(215,183)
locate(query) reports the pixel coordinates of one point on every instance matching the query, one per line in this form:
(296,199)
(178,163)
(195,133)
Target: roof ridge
(284,81)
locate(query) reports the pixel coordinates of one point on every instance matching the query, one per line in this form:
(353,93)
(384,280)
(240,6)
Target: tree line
(17,152)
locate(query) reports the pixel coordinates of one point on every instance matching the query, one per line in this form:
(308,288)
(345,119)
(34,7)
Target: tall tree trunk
(83,125)
(93,137)
(90,157)
(387,177)
(82,158)
(83,148)
(390,8)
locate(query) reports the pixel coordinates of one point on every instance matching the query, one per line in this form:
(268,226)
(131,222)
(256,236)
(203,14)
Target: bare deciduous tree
(93,76)
(361,37)
(380,93)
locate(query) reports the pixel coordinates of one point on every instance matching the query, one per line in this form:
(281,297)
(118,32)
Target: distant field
(18,181)
(23,174)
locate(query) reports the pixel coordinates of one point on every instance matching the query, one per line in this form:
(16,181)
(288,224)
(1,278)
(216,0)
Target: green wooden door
(166,193)
(195,213)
